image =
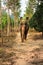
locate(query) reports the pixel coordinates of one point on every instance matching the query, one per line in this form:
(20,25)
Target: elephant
(24,27)
(24,31)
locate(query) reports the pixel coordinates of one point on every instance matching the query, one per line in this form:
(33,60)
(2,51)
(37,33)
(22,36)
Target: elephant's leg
(22,35)
(25,35)
(26,32)
(23,28)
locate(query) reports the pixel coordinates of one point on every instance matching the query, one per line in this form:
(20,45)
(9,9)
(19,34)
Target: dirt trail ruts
(30,52)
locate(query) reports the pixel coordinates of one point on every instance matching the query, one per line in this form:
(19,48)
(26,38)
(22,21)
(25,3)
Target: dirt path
(29,52)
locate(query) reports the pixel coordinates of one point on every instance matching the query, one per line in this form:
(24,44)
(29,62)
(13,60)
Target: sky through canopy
(23,6)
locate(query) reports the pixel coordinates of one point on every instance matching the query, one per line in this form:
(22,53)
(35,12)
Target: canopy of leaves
(30,8)
(37,19)
(4,19)
(14,5)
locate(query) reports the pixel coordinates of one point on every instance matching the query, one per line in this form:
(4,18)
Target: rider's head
(27,18)
(20,18)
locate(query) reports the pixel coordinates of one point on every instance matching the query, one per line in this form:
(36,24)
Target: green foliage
(14,5)
(30,7)
(4,20)
(37,19)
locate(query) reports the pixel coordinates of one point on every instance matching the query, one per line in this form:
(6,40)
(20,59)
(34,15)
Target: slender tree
(0,11)
(0,17)
(8,17)
(1,22)
(14,5)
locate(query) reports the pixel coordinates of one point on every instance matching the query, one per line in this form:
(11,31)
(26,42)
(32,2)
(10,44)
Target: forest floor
(14,52)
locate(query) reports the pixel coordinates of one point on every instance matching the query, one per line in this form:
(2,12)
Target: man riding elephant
(26,27)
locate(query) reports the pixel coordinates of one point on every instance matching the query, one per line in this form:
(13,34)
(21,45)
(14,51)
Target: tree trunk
(8,25)
(42,34)
(1,33)
(14,19)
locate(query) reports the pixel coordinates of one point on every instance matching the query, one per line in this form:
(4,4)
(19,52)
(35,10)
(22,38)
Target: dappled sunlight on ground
(30,52)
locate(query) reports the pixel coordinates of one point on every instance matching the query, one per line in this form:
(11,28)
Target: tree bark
(8,25)
(42,34)
(1,32)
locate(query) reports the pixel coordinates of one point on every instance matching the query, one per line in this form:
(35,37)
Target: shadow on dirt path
(29,52)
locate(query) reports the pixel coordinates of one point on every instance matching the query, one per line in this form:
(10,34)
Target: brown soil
(14,52)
